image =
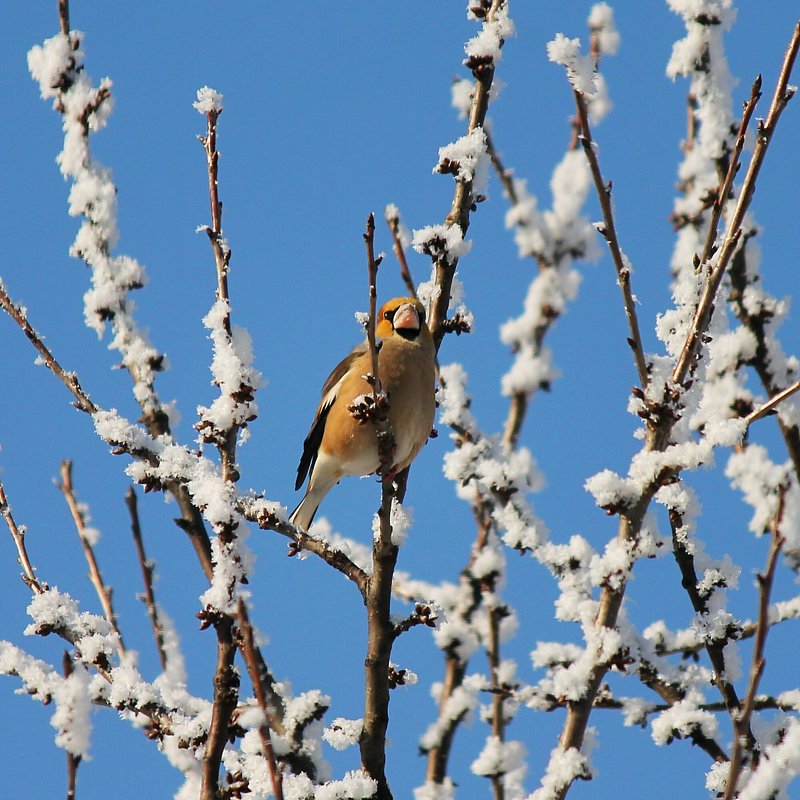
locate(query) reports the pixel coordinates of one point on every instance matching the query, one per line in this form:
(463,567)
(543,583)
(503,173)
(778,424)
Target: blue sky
(332,111)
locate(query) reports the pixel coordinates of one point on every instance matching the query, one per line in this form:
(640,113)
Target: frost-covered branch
(445,243)
(251,660)
(221,424)
(744,748)
(716,270)
(58,67)
(494,481)
(581,75)
(378,587)
(662,459)
(554,238)
(717,627)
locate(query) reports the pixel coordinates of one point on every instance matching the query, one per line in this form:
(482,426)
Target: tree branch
(609,233)
(378,586)
(463,198)
(147,576)
(766,129)
(104,592)
(743,742)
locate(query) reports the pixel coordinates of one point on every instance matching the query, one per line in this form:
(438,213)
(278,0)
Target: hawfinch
(337,444)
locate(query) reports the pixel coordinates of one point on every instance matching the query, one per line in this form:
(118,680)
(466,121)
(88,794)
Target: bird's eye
(389,314)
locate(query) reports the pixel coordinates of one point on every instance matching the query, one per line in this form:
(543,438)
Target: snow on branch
(58,67)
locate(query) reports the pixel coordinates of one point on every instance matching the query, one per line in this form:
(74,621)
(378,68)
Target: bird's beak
(406,318)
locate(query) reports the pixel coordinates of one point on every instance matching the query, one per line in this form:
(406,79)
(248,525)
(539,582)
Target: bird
(340,445)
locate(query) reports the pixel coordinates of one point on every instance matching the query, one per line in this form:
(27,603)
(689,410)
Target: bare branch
(69,379)
(609,232)
(226,696)
(393,221)
(146,567)
(18,535)
(771,404)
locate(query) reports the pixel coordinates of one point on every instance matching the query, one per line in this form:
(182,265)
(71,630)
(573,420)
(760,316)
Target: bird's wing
(330,390)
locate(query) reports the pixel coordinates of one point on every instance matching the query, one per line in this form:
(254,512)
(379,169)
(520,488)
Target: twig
(772,403)
(18,535)
(147,575)
(226,443)
(250,659)
(715,648)
(393,221)
(455,670)
(69,379)
(63,16)
(104,591)
(742,724)
(766,129)
(734,164)
(609,232)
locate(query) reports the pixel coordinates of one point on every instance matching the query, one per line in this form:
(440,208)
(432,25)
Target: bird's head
(403,316)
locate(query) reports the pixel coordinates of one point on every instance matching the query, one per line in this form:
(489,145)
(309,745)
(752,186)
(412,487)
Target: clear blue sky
(333,110)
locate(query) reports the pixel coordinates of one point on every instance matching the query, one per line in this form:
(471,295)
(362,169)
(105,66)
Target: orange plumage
(337,445)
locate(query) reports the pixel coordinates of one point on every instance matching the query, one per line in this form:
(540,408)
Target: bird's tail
(324,476)
(303,515)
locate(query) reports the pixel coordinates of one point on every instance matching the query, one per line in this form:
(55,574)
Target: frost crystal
(343,733)
(601,23)
(207,101)
(580,68)
(466,158)
(441,242)
(71,718)
(487,44)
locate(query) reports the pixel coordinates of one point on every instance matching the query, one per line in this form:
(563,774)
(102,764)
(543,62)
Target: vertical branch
(609,232)
(378,587)
(223,435)
(104,592)
(715,648)
(225,440)
(392,215)
(226,695)
(444,266)
(251,660)
(63,16)
(147,575)
(73,761)
(742,741)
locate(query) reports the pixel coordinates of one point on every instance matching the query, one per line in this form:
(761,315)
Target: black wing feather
(311,445)
(314,438)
